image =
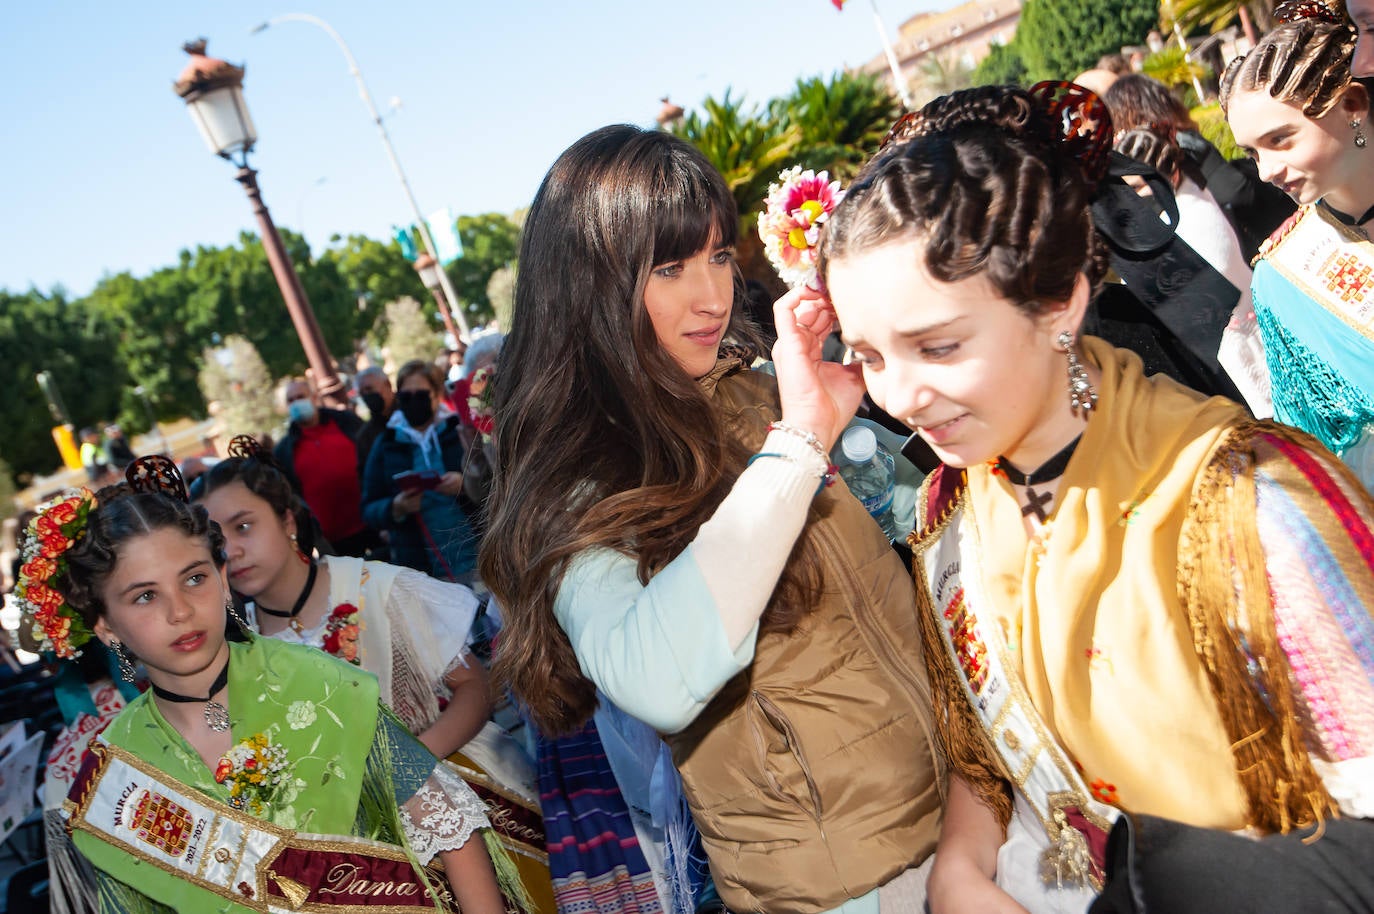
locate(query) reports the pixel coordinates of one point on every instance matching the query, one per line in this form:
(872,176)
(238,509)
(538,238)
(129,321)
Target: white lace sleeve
(442,815)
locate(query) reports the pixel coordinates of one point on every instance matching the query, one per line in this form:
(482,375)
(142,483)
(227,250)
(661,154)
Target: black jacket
(392,454)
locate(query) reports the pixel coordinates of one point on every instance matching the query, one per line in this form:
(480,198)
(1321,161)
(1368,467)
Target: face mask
(301,411)
(416,406)
(376,406)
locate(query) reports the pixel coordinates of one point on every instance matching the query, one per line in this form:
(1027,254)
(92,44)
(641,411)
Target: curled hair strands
(156,474)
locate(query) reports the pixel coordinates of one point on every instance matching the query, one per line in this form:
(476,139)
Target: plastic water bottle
(870,473)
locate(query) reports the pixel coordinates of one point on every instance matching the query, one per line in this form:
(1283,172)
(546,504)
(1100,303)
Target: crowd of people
(1124,661)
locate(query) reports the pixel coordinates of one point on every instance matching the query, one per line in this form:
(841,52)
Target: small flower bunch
(798,205)
(255,768)
(480,402)
(341,633)
(57,627)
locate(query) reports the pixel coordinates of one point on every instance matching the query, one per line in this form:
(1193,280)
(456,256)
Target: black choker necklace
(1345,219)
(216,715)
(1050,470)
(300,601)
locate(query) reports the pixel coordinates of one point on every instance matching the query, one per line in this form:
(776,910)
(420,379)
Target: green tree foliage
(374,273)
(1002,67)
(939,75)
(1060,38)
(80,348)
(835,125)
(1211,123)
(1171,66)
(235,377)
(840,121)
(408,333)
(501,294)
(490,241)
(166,319)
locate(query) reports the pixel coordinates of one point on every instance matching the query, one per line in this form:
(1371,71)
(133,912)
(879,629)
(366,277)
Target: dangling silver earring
(1082,396)
(1360,140)
(126,666)
(233,612)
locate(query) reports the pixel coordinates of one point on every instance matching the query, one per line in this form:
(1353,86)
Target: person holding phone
(412,483)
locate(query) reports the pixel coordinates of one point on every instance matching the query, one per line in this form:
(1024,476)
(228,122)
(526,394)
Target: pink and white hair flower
(798,205)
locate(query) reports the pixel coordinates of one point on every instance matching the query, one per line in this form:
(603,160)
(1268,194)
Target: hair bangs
(693,210)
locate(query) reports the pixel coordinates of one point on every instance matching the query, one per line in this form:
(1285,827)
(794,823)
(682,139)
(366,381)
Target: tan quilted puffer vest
(814,775)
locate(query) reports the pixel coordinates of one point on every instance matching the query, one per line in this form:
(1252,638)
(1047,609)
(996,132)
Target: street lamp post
(430,273)
(213,91)
(444,282)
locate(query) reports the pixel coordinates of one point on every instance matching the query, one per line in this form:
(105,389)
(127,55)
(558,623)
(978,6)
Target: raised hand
(817,395)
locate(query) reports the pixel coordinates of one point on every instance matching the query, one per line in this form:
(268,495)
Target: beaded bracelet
(827,479)
(803,434)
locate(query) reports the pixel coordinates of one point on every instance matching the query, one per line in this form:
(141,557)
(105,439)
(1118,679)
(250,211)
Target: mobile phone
(417,480)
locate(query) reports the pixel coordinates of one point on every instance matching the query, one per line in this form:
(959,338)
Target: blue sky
(103,170)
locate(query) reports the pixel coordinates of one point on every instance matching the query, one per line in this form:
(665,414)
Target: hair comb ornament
(157,474)
(246,447)
(1084,125)
(1296,10)
(904,128)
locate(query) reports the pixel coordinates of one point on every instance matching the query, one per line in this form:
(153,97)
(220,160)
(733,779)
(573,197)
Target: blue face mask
(301,411)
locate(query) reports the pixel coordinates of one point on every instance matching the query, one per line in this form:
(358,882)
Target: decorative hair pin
(1296,10)
(1076,118)
(246,447)
(156,474)
(59,526)
(1084,125)
(798,205)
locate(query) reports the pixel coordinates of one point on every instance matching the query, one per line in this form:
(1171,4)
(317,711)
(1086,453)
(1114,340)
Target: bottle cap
(859,444)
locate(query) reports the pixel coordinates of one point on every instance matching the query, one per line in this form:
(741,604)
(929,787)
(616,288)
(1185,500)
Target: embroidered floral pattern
(300,714)
(442,814)
(256,769)
(1098,659)
(341,634)
(56,626)
(1105,792)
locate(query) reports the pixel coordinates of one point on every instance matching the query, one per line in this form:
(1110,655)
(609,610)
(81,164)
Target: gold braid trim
(1225,590)
(962,736)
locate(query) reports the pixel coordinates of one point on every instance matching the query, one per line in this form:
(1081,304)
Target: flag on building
(407,242)
(443,228)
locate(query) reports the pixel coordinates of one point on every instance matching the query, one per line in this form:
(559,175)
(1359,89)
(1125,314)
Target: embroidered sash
(1042,773)
(128,804)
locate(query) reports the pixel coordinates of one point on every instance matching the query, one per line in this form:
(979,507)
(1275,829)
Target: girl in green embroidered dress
(279,731)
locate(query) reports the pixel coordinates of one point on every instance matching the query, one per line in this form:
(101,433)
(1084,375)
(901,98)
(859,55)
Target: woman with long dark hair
(662,530)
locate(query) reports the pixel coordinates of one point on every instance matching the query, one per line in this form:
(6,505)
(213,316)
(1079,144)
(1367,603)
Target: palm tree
(940,75)
(748,148)
(842,120)
(1217,15)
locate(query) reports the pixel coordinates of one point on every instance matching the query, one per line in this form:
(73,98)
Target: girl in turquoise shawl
(281,745)
(1294,107)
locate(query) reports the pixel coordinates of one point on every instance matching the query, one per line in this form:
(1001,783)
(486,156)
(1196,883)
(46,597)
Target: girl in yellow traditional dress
(1144,612)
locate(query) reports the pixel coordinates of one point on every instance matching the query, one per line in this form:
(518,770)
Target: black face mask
(376,406)
(417,406)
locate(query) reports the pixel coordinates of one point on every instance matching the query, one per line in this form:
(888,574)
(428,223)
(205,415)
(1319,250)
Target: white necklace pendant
(216,716)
